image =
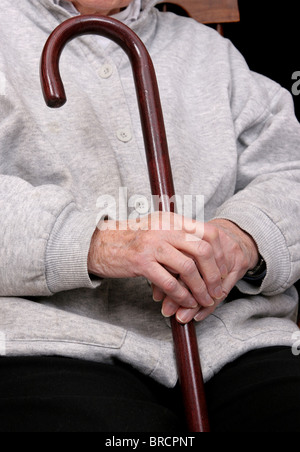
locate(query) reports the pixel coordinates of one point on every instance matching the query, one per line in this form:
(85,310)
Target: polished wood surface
(190,376)
(159,167)
(209,11)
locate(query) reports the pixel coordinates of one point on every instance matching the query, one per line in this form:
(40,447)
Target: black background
(268,36)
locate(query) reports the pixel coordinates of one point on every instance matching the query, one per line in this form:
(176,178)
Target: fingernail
(218,293)
(183,318)
(166,315)
(209,301)
(168,309)
(199,317)
(157,301)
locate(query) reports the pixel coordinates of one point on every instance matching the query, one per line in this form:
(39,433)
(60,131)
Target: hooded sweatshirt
(234,143)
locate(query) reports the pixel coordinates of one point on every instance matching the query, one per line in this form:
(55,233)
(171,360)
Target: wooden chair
(215,12)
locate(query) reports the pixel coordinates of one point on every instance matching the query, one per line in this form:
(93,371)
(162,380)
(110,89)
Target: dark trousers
(259,392)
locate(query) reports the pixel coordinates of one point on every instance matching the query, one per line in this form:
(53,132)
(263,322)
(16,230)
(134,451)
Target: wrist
(246,239)
(93,255)
(258,273)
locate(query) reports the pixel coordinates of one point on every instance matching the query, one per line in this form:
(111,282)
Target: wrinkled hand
(240,255)
(192,265)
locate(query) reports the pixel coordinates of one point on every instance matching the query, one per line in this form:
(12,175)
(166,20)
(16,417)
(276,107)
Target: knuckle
(213,278)
(204,249)
(212,231)
(170,285)
(181,297)
(236,248)
(188,266)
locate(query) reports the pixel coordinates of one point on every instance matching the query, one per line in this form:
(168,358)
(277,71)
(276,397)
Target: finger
(169,307)
(208,232)
(157,294)
(209,287)
(183,315)
(192,227)
(209,270)
(187,315)
(230,282)
(203,314)
(186,267)
(212,236)
(169,285)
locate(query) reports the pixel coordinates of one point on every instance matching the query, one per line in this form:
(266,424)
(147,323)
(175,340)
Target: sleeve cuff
(67,251)
(271,245)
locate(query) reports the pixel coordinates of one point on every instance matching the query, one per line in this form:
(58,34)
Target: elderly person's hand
(192,265)
(240,254)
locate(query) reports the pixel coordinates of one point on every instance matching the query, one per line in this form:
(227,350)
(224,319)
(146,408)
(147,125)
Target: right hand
(158,247)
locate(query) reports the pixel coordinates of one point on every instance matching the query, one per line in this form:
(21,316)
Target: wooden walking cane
(185,340)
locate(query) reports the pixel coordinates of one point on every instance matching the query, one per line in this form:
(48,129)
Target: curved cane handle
(145,82)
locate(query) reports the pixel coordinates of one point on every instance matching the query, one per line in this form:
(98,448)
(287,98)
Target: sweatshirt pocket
(30,328)
(253,316)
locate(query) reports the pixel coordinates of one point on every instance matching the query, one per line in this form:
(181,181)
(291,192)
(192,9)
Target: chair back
(216,12)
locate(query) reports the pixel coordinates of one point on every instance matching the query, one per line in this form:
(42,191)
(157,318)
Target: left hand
(241,254)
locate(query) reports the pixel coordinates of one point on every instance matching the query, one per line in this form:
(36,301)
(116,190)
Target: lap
(59,394)
(258,392)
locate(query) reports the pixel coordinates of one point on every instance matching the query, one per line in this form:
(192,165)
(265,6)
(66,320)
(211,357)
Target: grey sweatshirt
(233,139)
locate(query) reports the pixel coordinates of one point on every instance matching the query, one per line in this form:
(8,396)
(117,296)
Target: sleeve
(44,240)
(44,235)
(266,203)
